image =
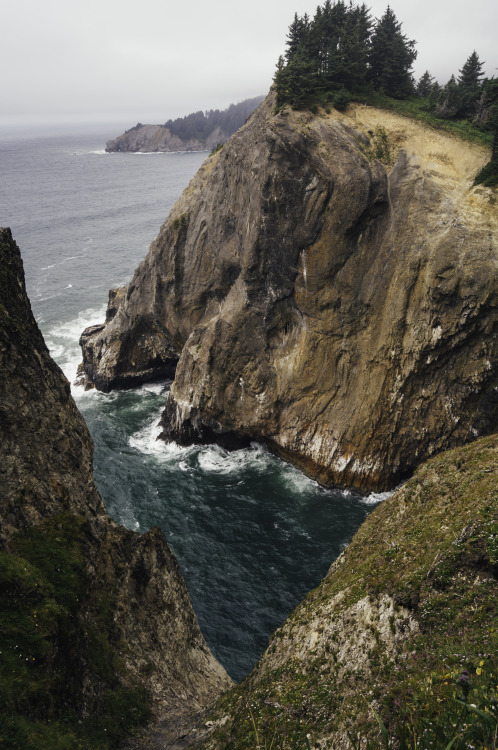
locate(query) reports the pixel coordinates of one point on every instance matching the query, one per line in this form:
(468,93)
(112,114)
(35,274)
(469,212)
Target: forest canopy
(200,125)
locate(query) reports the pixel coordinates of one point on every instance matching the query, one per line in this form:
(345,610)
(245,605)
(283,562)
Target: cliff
(150,138)
(327,285)
(402,629)
(95,621)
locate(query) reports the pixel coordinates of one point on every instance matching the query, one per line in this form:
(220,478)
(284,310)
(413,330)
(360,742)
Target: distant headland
(199,131)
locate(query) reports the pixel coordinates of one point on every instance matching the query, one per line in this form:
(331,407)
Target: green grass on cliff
(432,549)
(48,648)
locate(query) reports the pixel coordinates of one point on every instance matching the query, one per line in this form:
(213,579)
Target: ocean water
(252,534)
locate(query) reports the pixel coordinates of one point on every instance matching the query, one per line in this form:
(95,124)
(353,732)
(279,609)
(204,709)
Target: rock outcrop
(154,138)
(100,614)
(340,309)
(403,625)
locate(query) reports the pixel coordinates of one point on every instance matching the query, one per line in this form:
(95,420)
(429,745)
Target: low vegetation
(56,643)
(398,645)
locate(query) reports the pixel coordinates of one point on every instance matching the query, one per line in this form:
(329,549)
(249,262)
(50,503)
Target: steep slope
(341,313)
(403,625)
(95,621)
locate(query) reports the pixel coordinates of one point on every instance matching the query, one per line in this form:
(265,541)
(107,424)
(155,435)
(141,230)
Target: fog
(127,62)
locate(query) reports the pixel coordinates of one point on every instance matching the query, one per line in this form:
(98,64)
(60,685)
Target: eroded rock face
(342,313)
(46,471)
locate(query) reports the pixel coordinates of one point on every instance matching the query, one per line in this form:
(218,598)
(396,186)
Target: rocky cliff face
(100,614)
(150,138)
(340,309)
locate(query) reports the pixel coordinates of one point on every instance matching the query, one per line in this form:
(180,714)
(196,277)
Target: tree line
(199,125)
(342,54)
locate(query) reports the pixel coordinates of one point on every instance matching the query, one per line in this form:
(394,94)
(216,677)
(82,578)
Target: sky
(129,62)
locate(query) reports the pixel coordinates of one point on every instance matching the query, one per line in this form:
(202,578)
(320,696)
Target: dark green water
(252,535)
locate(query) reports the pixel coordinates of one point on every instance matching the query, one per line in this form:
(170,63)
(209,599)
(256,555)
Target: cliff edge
(327,284)
(401,632)
(96,624)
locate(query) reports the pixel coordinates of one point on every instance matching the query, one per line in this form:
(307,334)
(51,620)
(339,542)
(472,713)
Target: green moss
(48,645)
(180,222)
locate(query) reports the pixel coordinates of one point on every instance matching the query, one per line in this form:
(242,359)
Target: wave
(214,459)
(63,341)
(146,441)
(376,497)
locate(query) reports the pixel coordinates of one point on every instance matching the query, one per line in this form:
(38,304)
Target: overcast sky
(117,60)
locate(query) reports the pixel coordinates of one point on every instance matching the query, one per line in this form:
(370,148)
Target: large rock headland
(326,285)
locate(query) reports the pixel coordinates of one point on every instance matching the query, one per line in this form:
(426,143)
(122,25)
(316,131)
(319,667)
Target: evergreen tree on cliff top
(489,174)
(391,57)
(337,51)
(470,84)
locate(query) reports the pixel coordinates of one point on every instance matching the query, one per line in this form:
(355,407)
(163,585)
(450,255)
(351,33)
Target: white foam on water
(146,441)
(217,460)
(156,388)
(296,481)
(376,497)
(63,341)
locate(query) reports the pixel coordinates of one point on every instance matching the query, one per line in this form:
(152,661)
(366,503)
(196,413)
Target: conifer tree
(471,74)
(355,46)
(425,85)
(470,84)
(391,57)
(327,31)
(298,32)
(449,102)
(295,82)
(489,174)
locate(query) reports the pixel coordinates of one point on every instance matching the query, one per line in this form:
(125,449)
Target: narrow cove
(252,535)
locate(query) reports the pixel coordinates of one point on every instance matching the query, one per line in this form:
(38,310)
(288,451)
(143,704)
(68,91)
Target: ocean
(252,534)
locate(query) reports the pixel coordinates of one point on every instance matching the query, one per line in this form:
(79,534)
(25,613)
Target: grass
(418,109)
